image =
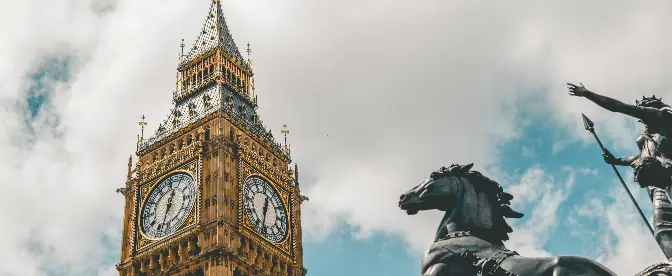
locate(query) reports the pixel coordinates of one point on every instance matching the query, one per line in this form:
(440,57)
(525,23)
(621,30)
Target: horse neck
(448,226)
(456,218)
(443,229)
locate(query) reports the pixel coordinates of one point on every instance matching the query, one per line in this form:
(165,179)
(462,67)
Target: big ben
(212,193)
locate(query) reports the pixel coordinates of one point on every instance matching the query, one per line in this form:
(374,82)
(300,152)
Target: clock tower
(212,192)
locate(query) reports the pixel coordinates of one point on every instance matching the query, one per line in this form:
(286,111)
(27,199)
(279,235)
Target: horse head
(472,202)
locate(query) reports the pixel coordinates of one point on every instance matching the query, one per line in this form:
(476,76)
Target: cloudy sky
(376,93)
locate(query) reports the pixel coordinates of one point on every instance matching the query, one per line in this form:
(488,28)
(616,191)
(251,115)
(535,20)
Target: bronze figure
(475,210)
(653,164)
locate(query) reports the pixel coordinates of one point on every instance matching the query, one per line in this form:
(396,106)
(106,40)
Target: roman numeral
(250,211)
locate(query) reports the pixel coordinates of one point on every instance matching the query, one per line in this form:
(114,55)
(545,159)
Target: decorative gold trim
(176,159)
(171,137)
(194,169)
(245,171)
(274,173)
(151,190)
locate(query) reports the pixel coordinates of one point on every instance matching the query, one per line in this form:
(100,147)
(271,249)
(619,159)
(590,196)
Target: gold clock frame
(192,168)
(245,172)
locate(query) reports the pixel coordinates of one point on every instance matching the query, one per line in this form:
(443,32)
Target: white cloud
(626,245)
(543,195)
(399,87)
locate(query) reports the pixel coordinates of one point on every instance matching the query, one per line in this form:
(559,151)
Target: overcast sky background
(376,93)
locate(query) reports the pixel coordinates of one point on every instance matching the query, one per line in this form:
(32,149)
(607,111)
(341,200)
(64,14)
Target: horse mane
(498,200)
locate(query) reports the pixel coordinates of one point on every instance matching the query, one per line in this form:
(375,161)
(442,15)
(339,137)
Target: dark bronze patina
(652,165)
(475,210)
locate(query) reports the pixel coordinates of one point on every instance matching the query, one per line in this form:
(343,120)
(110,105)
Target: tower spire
(215,32)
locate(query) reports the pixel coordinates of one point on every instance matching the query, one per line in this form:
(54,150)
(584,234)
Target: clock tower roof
(212,77)
(214,34)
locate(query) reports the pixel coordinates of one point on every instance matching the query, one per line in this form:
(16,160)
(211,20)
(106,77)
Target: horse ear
(506,196)
(466,168)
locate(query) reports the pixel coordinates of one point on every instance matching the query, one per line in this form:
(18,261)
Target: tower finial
(142,128)
(285,131)
(251,84)
(249,51)
(130,168)
(182,48)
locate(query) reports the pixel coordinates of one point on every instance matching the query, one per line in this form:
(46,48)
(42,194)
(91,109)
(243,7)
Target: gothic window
(189,140)
(236,272)
(212,69)
(172,149)
(180,144)
(196,249)
(207,133)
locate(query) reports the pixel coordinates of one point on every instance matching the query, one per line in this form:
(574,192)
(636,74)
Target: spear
(588,124)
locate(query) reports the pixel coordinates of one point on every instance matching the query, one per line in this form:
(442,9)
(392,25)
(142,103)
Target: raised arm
(646,114)
(625,161)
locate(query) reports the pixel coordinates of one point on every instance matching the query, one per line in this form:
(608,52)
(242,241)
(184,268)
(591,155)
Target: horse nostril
(402,197)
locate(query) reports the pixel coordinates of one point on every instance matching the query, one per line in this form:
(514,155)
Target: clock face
(168,205)
(265,209)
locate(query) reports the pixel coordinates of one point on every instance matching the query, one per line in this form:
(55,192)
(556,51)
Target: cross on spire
(182,48)
(285,131)
(142,124)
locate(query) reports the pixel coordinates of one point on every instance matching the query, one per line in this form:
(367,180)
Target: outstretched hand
(609,158)
(575,90)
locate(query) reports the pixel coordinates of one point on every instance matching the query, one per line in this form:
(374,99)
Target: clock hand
(263,220)
(170,203)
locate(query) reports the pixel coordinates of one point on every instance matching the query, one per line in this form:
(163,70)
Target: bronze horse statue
(470,237)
